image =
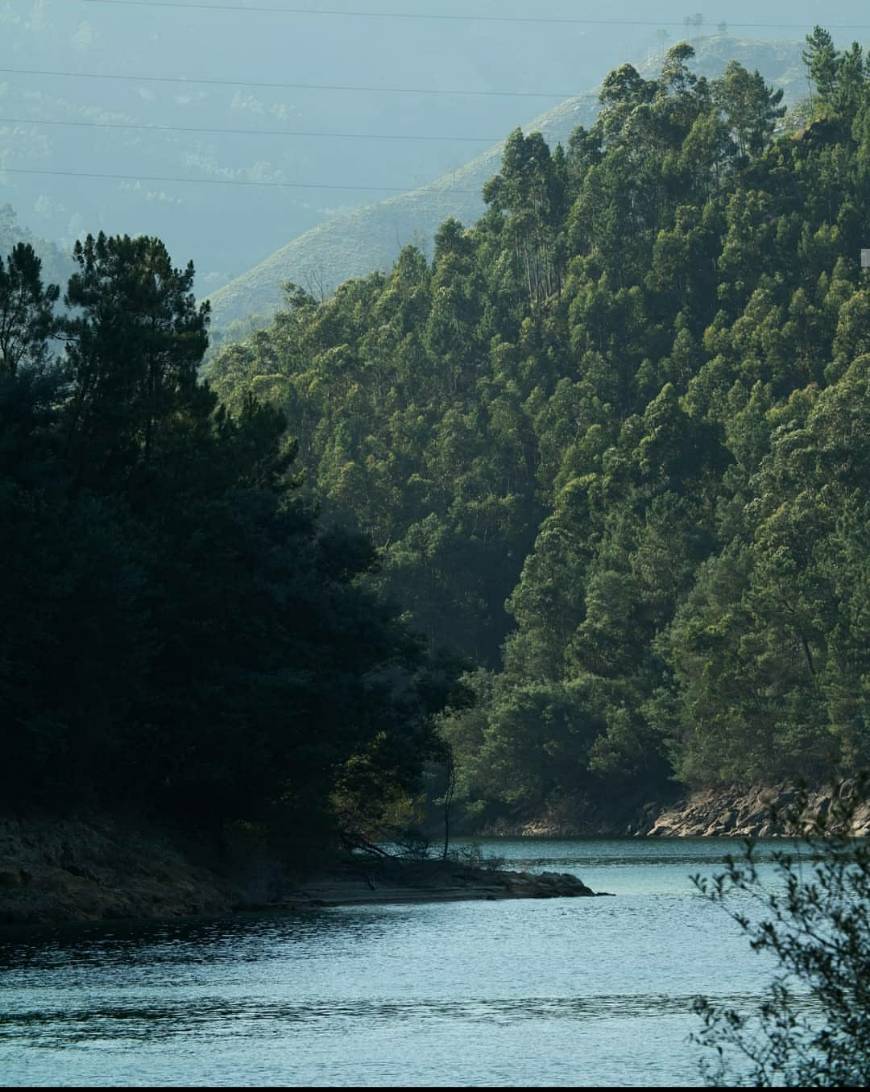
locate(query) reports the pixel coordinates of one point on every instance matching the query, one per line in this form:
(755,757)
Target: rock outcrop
(741,812)
(735,811)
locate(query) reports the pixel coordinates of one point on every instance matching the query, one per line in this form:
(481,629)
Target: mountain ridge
(368,239)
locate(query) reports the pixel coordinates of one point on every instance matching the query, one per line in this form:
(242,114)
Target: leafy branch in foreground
(813,1026)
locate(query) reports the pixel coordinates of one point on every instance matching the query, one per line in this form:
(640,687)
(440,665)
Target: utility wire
(247,132)
(220,181)
(284,86)
(523,19)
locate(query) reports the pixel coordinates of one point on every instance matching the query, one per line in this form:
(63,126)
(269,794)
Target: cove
(537,992)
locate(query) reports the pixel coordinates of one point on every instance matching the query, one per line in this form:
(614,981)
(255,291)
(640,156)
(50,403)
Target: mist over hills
(265,113)
(364,240)
(92,89)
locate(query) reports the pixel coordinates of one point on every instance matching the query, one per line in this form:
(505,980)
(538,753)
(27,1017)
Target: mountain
(225,130)
(356,243)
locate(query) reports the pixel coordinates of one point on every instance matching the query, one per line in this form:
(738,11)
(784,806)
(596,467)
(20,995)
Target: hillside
(611,442)
(356,243)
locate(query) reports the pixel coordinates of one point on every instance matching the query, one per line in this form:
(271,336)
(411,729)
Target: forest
(180,636)
(611,444)
(577,510)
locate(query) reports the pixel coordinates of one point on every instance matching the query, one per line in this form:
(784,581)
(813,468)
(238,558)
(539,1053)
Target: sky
(319,149)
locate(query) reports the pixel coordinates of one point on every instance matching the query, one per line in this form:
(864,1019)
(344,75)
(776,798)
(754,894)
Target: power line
(289,86)
(219,181)
(437,16)
(247,132)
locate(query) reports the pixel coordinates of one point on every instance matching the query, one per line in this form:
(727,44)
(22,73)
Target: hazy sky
(226,228)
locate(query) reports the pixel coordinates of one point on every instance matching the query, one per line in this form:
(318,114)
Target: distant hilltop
(359,242)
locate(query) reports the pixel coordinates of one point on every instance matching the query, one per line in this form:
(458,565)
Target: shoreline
(396,882)
(733,812)
(723,812)
(56,872)
(59,872)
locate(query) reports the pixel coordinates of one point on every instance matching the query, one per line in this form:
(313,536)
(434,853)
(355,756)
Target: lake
(537,992)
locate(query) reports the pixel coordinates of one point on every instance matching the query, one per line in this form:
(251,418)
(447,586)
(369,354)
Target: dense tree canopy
(179,633)
(612,443)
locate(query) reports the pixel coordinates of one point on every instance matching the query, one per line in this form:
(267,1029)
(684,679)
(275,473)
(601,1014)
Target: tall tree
(27,318)
(135,340)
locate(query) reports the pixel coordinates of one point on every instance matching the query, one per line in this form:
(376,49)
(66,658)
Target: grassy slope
(369,238)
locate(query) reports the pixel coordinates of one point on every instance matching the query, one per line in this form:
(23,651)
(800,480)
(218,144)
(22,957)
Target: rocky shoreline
(746,813)
(724,812)
(75,871)
(56,872)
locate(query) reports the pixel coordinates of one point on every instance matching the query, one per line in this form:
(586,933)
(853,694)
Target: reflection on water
(528,992)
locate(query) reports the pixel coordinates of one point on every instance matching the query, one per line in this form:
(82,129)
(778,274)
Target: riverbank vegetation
(611,444)
(811,1029)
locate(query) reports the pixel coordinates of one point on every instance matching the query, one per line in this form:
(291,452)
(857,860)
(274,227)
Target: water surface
(538,992)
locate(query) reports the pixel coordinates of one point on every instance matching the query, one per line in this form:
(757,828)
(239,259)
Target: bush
(813,1026)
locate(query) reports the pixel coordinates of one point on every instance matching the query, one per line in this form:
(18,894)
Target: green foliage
(354,242)
(179,633)
(135,339)
(26,310)
(813,1028)
(750,109)
(56,263)
(610,444)
(839,76)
